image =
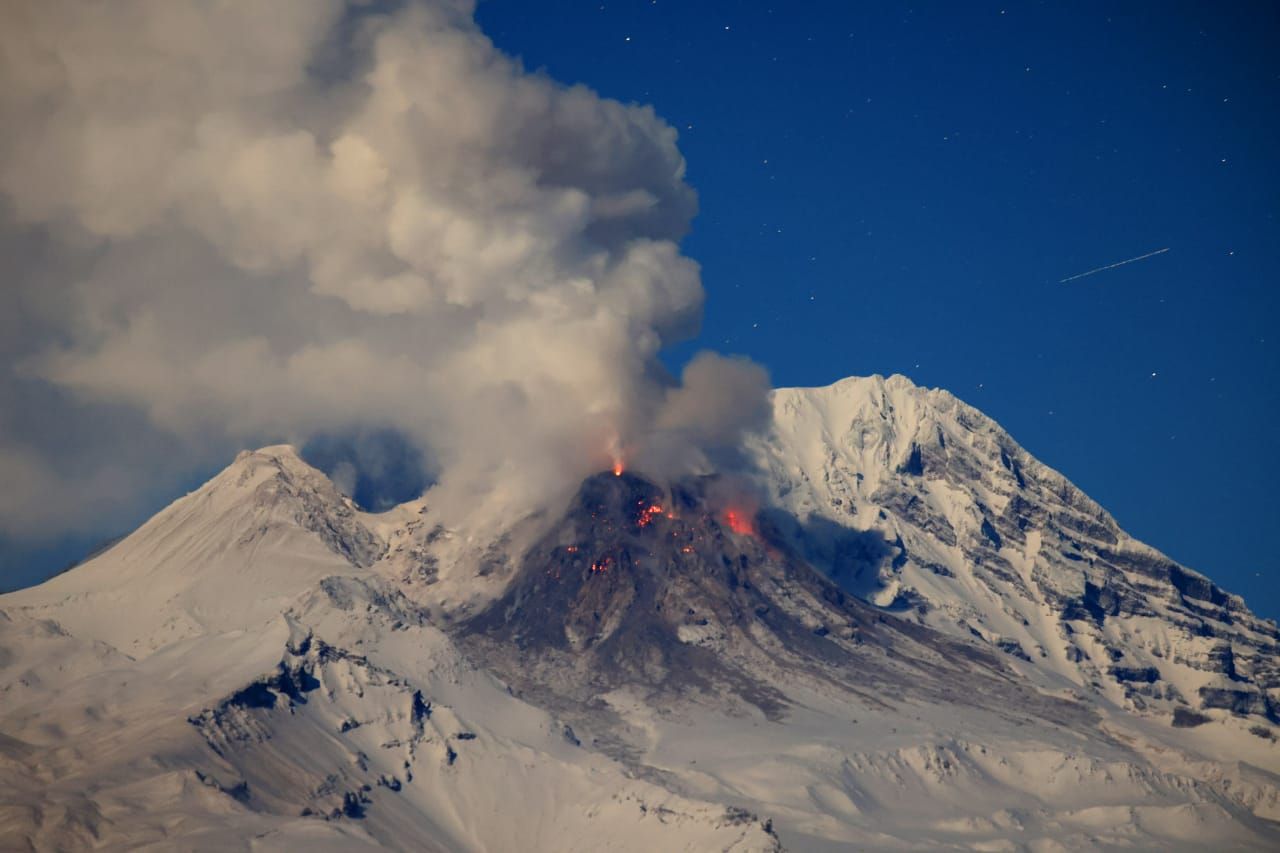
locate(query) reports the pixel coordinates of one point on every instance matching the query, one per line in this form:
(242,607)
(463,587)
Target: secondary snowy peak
(224,557)
(978,538)
(273,488)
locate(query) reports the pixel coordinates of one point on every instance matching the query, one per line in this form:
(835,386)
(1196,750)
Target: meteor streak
(1116,264)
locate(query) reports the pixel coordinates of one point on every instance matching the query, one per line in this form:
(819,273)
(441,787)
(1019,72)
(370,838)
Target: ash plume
(233,223)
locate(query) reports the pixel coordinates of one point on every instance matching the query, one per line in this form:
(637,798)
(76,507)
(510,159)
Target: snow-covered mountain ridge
(264,666)
(229,554)
(981,539)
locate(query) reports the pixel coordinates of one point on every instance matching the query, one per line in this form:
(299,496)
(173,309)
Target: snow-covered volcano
(919,638)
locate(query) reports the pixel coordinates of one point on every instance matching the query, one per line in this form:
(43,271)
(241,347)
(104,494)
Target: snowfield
(934,642)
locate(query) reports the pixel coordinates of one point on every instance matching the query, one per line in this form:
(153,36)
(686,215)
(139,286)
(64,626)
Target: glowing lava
(739,522)
(601,566)
(648,514)
(617,467)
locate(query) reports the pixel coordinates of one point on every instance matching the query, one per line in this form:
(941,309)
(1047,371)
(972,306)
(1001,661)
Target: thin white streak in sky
(1116,264)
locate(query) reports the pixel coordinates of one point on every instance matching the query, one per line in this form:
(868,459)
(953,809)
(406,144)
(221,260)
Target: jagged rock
(1239,701)
(1144,674)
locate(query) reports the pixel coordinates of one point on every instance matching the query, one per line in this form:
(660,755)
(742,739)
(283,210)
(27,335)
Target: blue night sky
(900,188)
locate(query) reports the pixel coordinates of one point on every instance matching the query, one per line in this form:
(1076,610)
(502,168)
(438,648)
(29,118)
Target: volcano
(664,590)
(895,629)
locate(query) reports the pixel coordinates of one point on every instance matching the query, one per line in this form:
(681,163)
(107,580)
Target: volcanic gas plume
(257,222)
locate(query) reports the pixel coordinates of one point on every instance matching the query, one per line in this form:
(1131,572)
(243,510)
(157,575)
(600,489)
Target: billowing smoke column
(227,223)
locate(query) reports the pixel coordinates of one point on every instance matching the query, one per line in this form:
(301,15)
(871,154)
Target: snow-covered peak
(224,557)
(251,468)
(921,503)
(875,430)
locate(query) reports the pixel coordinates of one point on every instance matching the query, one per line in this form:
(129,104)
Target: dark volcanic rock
(1184,718)
(647,583)
(1136,674)
(670,590)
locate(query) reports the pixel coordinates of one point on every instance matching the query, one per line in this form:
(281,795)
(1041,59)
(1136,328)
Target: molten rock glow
(739,521)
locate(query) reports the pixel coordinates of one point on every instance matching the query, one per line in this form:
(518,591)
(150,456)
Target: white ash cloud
(227,223)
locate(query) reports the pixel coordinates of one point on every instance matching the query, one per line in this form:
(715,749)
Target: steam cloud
(227,223)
